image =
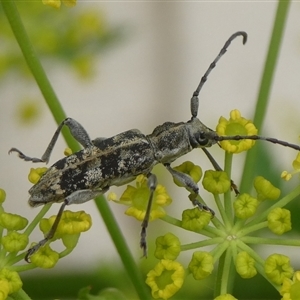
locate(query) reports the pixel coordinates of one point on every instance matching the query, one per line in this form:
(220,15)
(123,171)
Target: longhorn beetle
(102,163)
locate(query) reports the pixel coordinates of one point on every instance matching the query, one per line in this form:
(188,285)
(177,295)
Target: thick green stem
(265,88)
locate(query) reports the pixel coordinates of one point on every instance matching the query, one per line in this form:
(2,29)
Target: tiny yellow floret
(236,125)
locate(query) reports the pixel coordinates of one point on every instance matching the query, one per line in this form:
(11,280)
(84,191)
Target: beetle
(117,160)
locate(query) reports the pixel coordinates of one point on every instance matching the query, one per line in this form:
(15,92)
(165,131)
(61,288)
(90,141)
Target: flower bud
(245,206)
(45,257)
(201,265)
(278,267)
(167,247)
(165,279)
(195,219)
(279,220)
(14,241)
(12,278)
(2,195)
(12,221)
(245,265)
(189,168)
(265,189)
(35,174)
(216,182)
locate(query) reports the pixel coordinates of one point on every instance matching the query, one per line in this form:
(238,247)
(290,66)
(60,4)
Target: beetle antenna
(257,137)
(195,99)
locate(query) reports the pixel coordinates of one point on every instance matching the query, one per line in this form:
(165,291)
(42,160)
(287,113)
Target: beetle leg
(77,197)
(218,168)
(77,131)
(191,186)
(152,183)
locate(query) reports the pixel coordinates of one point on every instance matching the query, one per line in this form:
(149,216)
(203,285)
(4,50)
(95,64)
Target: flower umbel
(13,241)
(232,232)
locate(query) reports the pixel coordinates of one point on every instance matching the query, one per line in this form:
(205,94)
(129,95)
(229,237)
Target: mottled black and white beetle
(115,161)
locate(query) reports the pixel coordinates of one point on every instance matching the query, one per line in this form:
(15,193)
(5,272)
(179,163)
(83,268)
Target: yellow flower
(216,182)
(245,265)
(70,223)
(201,265)
(14,241)
(13,280)
(265,189)
(2,195)
(296,166)
(290,289)
(167,247)
(236,125)
(189,168)
(35,174)
(4,289)
(245,206)
(57,3)
(68,152)
(278,267)
(165,279)
(195,219)
(279,220)
(137,199)
(45,257)
(12,221)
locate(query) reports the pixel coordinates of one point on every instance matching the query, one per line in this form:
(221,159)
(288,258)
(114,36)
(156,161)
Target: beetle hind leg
(77,197)
(152,183)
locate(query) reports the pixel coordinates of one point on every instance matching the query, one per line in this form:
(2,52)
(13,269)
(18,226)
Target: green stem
(265,87)
(222,211)
(227,195)
(209,242)
(122,248)
(225,276)
(55,107)
(269,241)
(37,219)
(255,227)
(20,294)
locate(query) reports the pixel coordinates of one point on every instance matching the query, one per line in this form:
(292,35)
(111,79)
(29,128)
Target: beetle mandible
(115,161)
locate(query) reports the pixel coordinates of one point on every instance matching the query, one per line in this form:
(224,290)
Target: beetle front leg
(77,131)
(191,186)
(152,183)
(218,168)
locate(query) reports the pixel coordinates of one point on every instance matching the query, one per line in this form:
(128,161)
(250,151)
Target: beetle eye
(202,138)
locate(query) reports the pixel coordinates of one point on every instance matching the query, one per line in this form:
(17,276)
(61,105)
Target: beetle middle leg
(190,185)
(76,197)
